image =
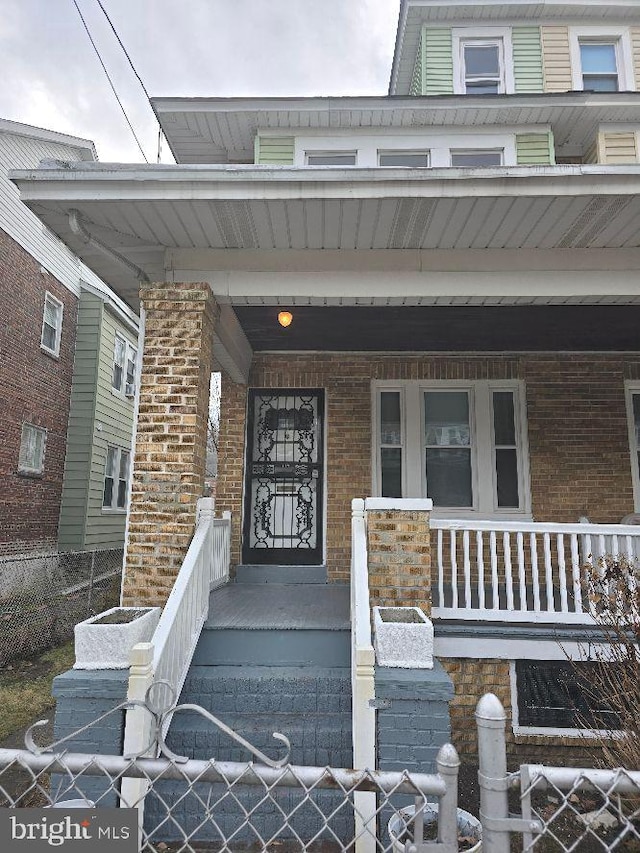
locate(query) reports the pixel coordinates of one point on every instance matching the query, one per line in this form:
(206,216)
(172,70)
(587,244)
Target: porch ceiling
(141,212)
(531,328)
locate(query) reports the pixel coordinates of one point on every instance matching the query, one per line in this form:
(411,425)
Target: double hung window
(599,65)
(32,447)
(51,325)
(123,377)
(482,61)
(116,479)
(602,59)
(461,444)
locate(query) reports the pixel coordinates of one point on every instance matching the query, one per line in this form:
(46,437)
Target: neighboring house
(456,266)
(47,332)
(96,475)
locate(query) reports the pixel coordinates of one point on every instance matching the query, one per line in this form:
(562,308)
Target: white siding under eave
(21,152)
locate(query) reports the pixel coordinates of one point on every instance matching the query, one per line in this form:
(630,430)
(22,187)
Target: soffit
(204,130)
(140,212)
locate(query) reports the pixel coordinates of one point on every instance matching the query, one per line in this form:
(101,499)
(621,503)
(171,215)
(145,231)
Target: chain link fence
(43,597)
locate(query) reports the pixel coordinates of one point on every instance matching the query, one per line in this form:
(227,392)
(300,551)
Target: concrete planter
(105,641)
(403,637)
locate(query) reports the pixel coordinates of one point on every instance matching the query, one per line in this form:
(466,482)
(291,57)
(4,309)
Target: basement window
(553,698)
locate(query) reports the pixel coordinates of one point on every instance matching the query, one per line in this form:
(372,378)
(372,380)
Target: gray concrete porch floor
(280,606)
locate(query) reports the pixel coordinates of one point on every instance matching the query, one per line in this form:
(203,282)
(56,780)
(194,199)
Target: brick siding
(578,438)
(36,388)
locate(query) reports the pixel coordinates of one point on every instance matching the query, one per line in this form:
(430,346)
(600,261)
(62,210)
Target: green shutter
(535,149)
(438,58)
(275,150)
(527,59)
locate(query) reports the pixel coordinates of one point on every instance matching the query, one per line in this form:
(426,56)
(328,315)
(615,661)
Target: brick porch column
(169,461)
(399,552)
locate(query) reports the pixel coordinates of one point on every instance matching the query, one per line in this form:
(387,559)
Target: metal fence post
(92,574)
(448,765)
(492,774)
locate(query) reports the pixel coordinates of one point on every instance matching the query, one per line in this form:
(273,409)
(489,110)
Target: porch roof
(170,222)
(219,130)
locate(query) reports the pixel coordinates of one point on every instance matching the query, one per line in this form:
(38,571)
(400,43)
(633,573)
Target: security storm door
(284,477)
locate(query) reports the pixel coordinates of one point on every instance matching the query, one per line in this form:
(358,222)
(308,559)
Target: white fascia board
(86,146)
(188,183)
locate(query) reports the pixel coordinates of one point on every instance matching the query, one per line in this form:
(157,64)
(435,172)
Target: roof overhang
(326,236)
(86,148)
(220,130)
(415,13)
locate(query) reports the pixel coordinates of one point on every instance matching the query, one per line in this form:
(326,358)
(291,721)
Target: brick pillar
(231,459)
(169,462)
(399,552)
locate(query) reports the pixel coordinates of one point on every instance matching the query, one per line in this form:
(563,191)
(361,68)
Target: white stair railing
(521,571)
(167,657)
(362,675)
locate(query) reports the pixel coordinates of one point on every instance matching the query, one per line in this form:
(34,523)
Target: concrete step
(245,573)
(220,646)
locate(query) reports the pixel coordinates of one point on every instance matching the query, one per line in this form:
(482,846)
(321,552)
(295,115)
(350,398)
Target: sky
(189,48)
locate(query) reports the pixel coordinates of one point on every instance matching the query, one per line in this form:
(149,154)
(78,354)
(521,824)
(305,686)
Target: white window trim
(55,352)
(124,391)
(631,388)
(437,141)
(483,465)
(461,35)
(547,731)
(114,494)
(24,469)
(620,36)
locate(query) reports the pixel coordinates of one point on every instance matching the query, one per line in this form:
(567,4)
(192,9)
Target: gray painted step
(281,574)
(264,647)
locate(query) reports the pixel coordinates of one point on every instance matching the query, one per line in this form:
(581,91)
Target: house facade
(426,295)
(56,314)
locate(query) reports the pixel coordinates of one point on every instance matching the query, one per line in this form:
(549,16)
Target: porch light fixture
(285,318)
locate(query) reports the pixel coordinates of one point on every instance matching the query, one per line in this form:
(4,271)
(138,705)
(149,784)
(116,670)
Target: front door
(284,477)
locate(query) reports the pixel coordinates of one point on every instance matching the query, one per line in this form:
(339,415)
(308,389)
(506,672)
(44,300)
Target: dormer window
(483,65)
(602,59)
(599,65)
(483,61)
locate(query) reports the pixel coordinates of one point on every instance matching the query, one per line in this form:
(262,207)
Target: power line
(124,50)
(113,88)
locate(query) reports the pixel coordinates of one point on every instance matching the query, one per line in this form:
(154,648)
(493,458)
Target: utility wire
(124,50)
(113,88)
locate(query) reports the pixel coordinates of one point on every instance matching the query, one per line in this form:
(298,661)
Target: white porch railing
(521,572)
(169,654)
(362,674)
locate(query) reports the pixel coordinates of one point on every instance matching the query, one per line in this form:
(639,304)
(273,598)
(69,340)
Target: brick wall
(578,440)
(36,388)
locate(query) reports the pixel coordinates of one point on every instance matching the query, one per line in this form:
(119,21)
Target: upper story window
(470,158)
(32,447)
(51,325)
(601,59)
(462,444)
(483,61)
(123,378)
(331,158)
(599,65)
(411,159)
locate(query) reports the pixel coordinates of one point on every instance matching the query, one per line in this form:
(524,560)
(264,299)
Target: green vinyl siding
(77,465)
(438,61)
(274,150)
(98,418)
(535,149)
(527,59)
(417,79)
